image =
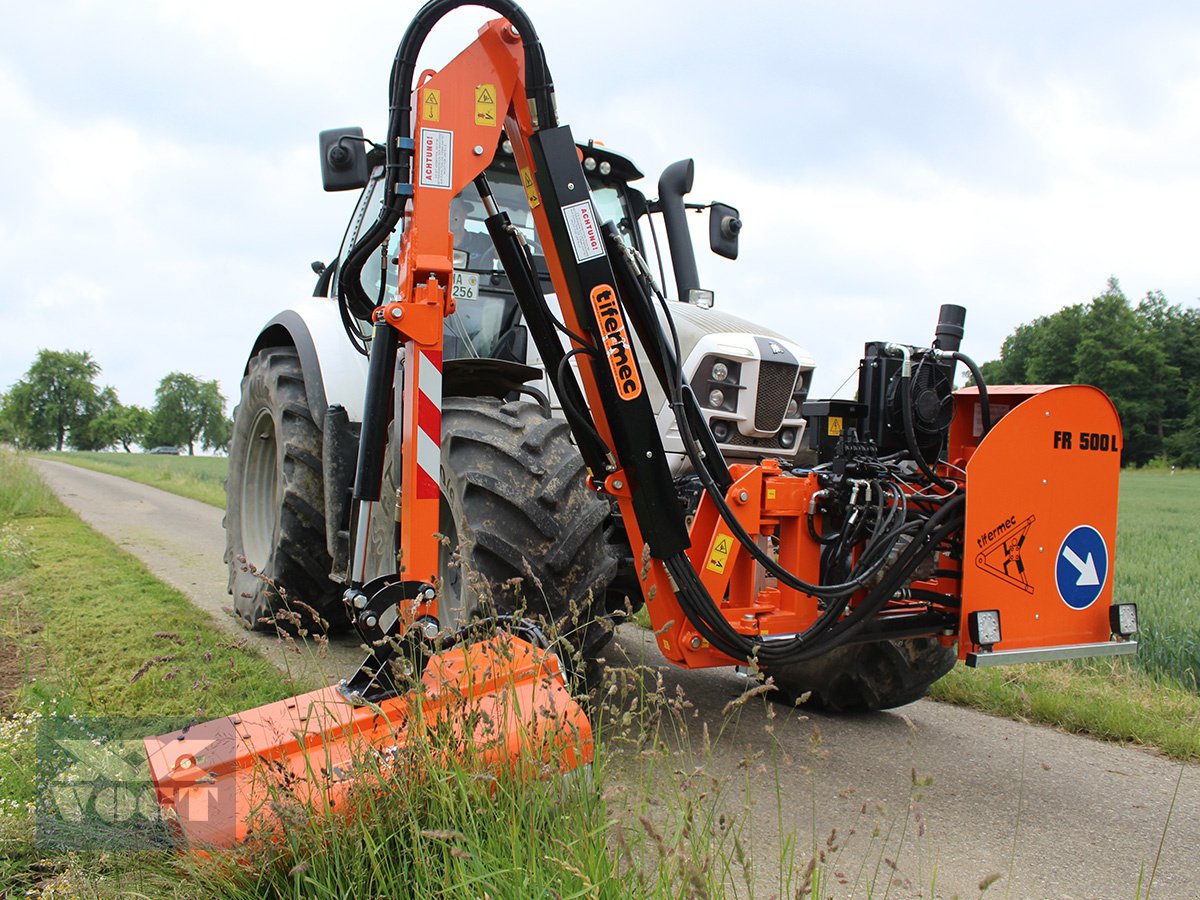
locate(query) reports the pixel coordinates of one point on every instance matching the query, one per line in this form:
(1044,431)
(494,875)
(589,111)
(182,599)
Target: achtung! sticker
(834,427)
(485,104)
(583,230)
(719,556)
(436,158)
(431,105)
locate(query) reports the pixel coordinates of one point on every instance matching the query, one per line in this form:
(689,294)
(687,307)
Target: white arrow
(1087,568)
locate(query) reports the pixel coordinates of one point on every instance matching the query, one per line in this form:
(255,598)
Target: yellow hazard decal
(530,187)
(431,105)
(770,493)
(485,104)
(719,556)
(835,426)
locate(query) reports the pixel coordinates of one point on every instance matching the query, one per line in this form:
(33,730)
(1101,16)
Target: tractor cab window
(611,206)
(471,233)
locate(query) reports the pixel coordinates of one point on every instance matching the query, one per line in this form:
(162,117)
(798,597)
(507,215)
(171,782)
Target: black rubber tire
(523,534)
(866,677)
(275,507)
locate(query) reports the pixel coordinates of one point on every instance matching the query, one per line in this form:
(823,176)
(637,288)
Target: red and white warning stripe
(429,423)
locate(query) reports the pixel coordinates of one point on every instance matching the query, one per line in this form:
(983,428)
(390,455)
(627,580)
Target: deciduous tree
(125,425)
(55,400)
(1146,358)
(187,410)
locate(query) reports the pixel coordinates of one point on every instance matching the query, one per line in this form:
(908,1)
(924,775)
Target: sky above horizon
(162,199)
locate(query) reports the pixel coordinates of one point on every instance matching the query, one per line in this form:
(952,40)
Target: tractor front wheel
(521,533)
(274,503)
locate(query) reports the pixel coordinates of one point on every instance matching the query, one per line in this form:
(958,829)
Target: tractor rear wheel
(274,503)
(521,533)
(864,677)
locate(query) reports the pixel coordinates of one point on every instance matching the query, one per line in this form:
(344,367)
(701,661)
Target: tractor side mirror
(343,159)
(724,226)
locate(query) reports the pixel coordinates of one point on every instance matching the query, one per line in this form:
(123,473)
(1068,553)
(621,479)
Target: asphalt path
(927,800)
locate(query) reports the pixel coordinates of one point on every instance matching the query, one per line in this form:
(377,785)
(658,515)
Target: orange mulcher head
(501,702)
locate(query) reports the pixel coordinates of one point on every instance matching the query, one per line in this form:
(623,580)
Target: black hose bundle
(398,172)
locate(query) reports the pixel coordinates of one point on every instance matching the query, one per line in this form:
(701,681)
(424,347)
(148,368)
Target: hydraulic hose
(910,434)
(539,88)
(826,634)
(985,408)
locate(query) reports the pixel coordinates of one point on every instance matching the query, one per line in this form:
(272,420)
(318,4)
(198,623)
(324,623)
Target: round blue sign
(1082,567)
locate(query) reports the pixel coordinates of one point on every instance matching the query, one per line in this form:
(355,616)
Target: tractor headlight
(720,371)
(716,399)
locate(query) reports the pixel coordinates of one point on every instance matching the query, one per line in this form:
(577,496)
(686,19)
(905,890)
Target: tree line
(58,404)
(1146,357)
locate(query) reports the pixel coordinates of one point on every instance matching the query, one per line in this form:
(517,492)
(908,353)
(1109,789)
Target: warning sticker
(431,105)
(485,104)
(530,187)
(437,157)
(719,556)
(833,426)
(583,230)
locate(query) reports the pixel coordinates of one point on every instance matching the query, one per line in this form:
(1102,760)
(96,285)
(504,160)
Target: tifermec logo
(616,342)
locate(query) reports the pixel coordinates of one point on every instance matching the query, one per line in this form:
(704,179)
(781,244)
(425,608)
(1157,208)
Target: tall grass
(1158,567)
(22,493)
(96,634)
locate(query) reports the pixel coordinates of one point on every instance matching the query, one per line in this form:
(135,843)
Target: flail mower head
(501,703)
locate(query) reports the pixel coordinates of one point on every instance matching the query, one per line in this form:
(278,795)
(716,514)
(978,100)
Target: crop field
(1158,567)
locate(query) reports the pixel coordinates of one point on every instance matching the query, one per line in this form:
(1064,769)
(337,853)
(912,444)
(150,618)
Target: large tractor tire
(522,534)
(275,509)
(865,677)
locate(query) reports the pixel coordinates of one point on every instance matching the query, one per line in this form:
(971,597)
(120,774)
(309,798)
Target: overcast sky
(160,195)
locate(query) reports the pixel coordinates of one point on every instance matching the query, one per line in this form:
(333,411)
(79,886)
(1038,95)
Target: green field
(1158,567)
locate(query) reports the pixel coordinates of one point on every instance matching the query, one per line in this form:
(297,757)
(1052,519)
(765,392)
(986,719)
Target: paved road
(1067,816)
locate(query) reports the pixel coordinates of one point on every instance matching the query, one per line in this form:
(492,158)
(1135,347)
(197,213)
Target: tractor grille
(776,381)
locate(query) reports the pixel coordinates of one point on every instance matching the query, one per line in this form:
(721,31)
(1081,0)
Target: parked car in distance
(169,451)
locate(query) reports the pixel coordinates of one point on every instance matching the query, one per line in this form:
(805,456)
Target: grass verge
(196,477)
(1107,699)
(87,631)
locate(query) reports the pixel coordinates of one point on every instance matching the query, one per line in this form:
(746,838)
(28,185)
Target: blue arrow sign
(1082,567)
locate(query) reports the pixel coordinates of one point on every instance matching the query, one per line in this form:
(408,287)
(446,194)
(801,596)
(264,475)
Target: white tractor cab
(725,354)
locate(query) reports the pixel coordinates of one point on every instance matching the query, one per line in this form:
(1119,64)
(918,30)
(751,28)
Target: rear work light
(984,627)
(1123,619)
